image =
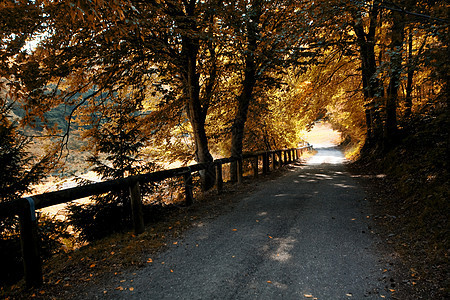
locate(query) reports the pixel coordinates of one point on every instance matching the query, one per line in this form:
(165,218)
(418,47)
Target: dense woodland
(123,87)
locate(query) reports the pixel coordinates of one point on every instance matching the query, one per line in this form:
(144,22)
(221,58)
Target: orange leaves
(149,260)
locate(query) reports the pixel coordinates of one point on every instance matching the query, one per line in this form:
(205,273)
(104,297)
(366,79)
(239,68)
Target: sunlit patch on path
(327,156)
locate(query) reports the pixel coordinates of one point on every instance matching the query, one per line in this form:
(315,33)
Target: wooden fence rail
(26,207)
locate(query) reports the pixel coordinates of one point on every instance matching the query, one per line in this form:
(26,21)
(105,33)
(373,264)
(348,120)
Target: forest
(125,87)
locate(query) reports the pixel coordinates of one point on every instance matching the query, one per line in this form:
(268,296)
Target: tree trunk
(196,113)
(409,81)
(371,84)
(397,37)
(244,99)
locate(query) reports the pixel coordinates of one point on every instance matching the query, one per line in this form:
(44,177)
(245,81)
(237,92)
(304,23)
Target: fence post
(136,207)
(219,178)
(239,170)
(274,160)
(255,162)
(265,163)
(187,177)
(29,241)
(280,158)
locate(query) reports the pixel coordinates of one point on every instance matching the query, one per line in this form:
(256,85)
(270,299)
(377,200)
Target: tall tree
(273,38)
(365,25)
(395,70)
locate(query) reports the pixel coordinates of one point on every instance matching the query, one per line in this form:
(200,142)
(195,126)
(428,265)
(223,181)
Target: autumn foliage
(123,87)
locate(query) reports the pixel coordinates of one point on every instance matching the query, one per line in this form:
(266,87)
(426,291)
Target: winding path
(305,235)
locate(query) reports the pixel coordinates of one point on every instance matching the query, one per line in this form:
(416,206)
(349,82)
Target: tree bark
(397,37)
(248,84)
(371,84)
(410,74)
(196,113)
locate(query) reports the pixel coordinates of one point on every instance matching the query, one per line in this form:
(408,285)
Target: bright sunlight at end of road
(322,136)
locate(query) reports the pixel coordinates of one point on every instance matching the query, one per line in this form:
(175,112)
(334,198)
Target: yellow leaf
(175,243)
(92,266)
(131,288)
(235,229)
(119,288)
(171,271)
(268,281)
(308,295)
(270,237)
(149,260)
(112,252)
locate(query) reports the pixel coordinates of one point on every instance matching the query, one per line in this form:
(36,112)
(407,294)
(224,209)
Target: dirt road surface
(306,235)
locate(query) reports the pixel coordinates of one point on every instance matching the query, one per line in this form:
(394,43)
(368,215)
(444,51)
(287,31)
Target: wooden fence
(26,207)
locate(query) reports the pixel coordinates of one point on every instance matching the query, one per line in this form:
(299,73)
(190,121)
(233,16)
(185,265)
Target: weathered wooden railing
(26,207)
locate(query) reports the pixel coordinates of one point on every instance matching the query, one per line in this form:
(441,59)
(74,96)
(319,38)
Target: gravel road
(305,235)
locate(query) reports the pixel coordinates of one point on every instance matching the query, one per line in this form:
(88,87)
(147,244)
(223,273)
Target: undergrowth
(418,198)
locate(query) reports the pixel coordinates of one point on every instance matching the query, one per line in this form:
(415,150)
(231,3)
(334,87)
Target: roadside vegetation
(411,194)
